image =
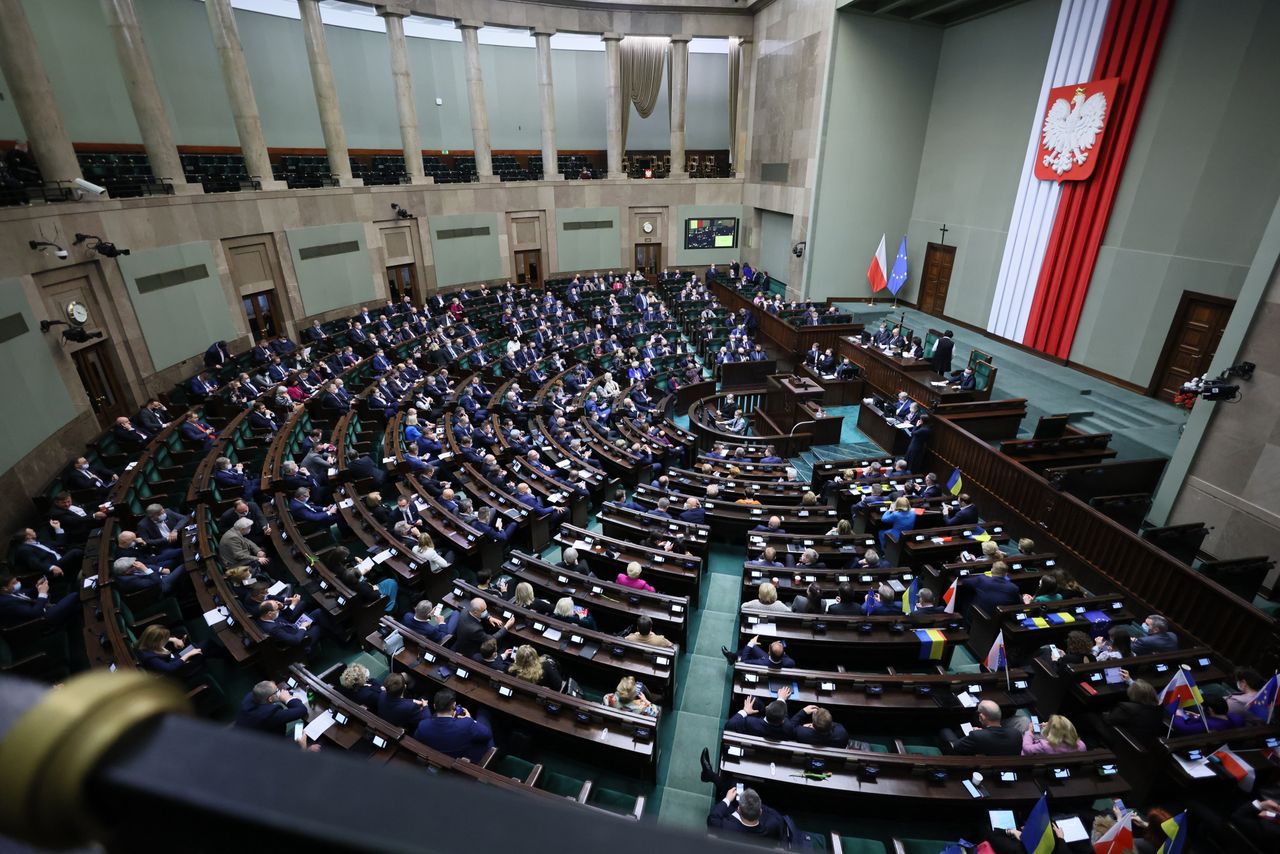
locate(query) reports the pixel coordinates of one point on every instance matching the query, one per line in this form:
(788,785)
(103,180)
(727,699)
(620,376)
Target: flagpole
(1008,685)
(1271,709)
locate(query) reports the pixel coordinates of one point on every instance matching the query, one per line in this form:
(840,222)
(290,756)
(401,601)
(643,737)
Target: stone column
(679,95)
(335,138)
(547,99)
(613,102)
(405,106)
(744,107)
(244,107)
(144,95)
(475,97)
(33,96)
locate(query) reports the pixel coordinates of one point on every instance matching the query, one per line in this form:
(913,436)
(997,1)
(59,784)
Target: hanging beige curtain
(642,59)
(735,58)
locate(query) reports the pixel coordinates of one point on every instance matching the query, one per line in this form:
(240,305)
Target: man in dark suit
(129,435)
(131,575)
(751,817)
(31,556)
(966,513)
(153,417)
(70,522)
(17,606)
(302,510)
(925,603)
(489,524)
(921,432)
(396,708)
(263,419)
(268,709)
(989,738)
(362,467)
(814,725)
(94,480)
(202,385)
(753,653)
(304,633)
(693,511)
(159,529)
(231,476)
(773,724)
(942,349)
(1156,637)
(965,381)
(217,355)
(476,625)
(453,731)
(991,591)
(195,432)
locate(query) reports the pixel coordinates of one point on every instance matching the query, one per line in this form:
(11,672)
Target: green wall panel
(332,281)
(592,248)
(39,405)
(775,244)
(466,259)
(877,113)
(178,321)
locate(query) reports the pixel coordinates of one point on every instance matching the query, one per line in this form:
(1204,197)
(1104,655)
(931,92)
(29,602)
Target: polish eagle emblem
(1072,130)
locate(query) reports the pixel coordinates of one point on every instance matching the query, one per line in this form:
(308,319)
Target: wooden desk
(818,639)
(873,424)
(623,737)
(836,392)
(889,375)
(778,769)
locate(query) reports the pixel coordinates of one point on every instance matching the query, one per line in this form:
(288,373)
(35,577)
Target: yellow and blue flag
(955,483)
(1174,828)
(1037,833)
(911,598)
(932,644)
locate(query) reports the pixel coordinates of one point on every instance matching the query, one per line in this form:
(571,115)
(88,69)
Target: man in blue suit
(693,511)
(753,653)
(196,432)
(773,724)
(304,632)
(301,508)
(485,518)
(230,476)
(991,591)
(17,606)
(130,575)
(397,709)
(268,709)
(528,499)
(966,512)
(453,731)
(32,556)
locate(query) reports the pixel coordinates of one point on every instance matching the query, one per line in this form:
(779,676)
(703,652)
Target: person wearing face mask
(1154,636)
(269,709)
(19,605)
(92,480)
(476,625)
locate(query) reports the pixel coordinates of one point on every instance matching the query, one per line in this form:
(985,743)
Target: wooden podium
(792,400)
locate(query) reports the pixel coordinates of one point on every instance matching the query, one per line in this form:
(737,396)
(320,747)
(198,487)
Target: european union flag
(898,277)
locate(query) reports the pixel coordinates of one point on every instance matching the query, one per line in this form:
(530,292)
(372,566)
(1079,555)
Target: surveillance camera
(60,254)
(90,187)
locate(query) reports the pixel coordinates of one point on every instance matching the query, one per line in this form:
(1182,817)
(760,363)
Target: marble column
(405,106)
(475,98)
(547,100)
(335,138)
(33,96)
(144,96)
(679,95)
(744,107)
(613,102)
(244,107)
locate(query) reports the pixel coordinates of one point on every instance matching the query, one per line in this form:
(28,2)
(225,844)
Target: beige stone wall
(1232,484)
(793,41)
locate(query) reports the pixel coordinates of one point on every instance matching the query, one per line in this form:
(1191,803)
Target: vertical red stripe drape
(1130,43)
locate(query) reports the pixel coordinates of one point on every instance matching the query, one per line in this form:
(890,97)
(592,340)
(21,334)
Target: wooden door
(529,267)
(938,261)
(1192,341)
(402,282)
(262,310)
(648,258)
(101,380)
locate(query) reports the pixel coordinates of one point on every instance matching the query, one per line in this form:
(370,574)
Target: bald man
(989,737)
(476,625)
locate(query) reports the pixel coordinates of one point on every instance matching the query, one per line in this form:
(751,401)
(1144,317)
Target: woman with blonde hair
(767,598)
(355,684)
(527,665)
(425,551)
(843,528)
(1057,736)
(157,650)
(629,697)
(809,500)
(631,578)
(900,518)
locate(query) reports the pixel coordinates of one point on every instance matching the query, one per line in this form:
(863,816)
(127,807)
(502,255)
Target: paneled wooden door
(649,258)
(529,267)
(938,261)
(1192,341)
(101,380)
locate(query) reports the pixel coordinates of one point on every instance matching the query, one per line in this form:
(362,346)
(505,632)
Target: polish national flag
(1119,838)
(949,597)
(876,272)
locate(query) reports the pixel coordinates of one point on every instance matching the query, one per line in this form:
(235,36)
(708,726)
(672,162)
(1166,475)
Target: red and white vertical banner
(1100,64)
